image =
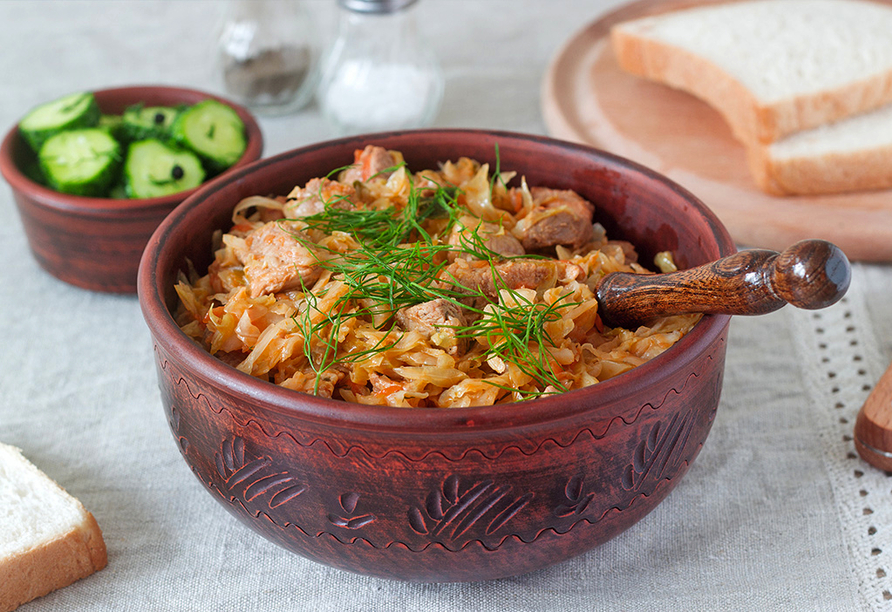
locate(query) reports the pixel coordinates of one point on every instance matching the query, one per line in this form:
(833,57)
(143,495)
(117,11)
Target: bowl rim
(342,414)
(105,206)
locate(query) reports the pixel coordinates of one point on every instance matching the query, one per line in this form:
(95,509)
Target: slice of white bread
(770,67)
(851,155)
(47,538)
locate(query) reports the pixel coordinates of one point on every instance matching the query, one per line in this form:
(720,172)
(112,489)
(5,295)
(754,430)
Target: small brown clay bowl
(443,494)
(96,243)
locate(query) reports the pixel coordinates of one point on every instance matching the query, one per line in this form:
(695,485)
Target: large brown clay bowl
(96,243)
(443,494)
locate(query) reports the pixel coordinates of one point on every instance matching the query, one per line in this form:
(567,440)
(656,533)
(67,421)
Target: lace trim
(842,363)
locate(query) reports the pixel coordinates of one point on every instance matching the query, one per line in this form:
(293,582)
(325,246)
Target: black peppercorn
(159,118)
(177,172)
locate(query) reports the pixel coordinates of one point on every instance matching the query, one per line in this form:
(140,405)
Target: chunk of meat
(369,162)
(505,245)
(476,276)
(558,217)
(312,198)
(492,236)
(436,320)
(275,260)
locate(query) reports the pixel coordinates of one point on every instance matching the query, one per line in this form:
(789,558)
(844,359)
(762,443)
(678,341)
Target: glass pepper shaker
(379,74)
(268,54)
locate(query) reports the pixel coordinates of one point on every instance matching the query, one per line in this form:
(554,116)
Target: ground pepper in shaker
(379,74)
(268,54)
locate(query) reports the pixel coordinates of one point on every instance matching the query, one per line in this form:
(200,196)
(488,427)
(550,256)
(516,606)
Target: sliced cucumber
(81,162)
(214,131)
(112,123)
(142,122)
(72,111)
(155,169)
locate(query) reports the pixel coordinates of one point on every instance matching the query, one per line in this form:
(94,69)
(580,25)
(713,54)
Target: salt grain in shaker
(379,74)
(268,52)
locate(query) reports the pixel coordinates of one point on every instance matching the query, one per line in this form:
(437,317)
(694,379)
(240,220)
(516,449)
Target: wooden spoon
(811,274)
(873,427)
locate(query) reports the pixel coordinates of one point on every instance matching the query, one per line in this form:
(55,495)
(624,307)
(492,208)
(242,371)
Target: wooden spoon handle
(810,274)
(873,427)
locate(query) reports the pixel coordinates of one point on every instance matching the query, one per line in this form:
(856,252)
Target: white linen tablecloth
(777,513)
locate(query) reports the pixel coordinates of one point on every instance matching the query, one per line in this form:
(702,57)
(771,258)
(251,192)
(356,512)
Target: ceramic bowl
(96,243)
(443,494)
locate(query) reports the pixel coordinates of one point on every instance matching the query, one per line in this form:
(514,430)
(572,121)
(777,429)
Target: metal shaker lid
(376,6)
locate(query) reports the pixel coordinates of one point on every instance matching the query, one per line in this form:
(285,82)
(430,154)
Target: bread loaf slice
(47,538)
(770,67)
(854,154)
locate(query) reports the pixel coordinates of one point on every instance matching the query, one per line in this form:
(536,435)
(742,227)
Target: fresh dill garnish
(399,264)
(386,227)
(511,332)
(326,332)
(496,174)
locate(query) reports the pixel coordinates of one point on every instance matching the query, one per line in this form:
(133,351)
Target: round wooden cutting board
(587,98)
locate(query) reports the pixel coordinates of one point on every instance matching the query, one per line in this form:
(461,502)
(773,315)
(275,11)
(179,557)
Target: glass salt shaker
(268,51)
(379,74)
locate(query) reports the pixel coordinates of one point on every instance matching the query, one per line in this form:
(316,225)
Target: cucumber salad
(146,152)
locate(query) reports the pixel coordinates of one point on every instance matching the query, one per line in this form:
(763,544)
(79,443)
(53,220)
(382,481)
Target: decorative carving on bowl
(465,507)
(452,510)
(348,516)
(248,478)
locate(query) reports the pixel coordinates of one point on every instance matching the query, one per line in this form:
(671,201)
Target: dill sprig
(400,264)
(512,331)
(387,227)
(326,332)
